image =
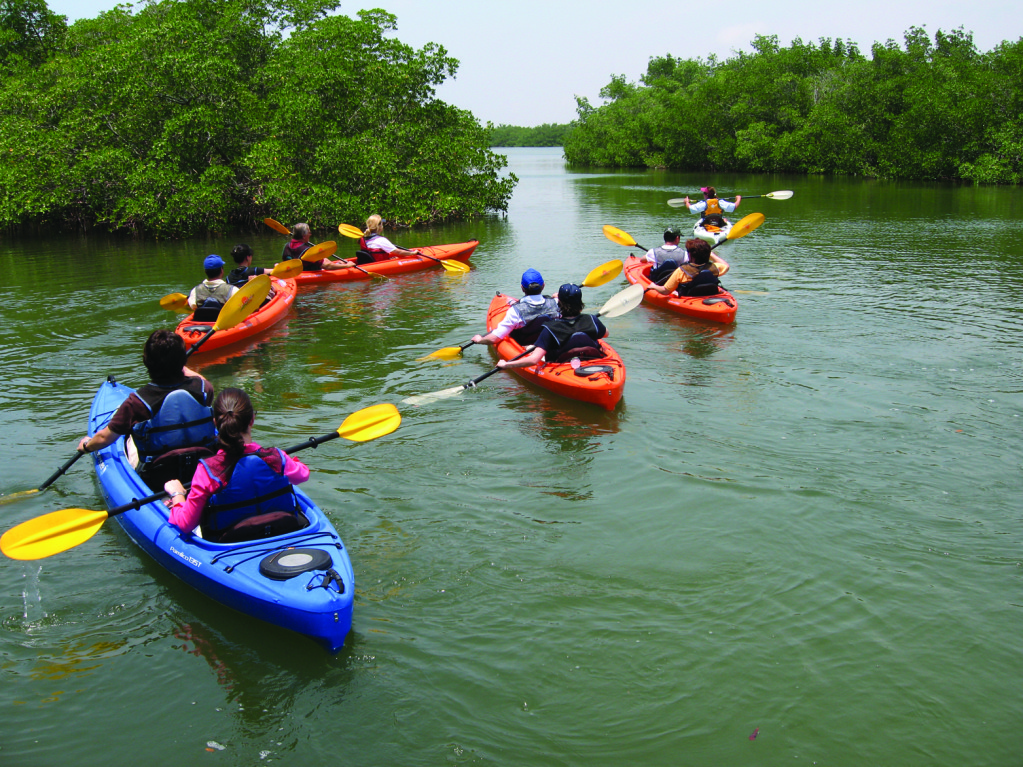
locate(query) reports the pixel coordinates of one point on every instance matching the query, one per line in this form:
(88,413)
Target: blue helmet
(532,282)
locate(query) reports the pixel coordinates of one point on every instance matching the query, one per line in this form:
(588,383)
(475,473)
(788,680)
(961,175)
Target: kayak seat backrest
(263,526)
(208,312)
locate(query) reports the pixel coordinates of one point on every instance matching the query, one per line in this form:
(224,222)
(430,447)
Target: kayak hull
(714,235)
(719,308)
(264,317)
(459,251)
(230,573)
(602,388)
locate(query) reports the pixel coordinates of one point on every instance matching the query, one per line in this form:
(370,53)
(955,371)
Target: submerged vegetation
(924,110)
(200,115)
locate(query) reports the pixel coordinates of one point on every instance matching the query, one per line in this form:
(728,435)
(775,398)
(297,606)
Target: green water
(808,522)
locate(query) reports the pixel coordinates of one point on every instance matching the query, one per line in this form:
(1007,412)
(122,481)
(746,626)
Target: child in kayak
(573,335)
(209,296)
(245,491)
(526,317)
(245,271)
(373,246)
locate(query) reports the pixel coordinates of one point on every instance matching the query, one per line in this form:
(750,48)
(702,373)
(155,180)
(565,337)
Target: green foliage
(29,34)
(196,115)
(548,134)
(925,110)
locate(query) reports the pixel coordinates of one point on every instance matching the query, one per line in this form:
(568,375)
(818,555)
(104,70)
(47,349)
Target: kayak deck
(460,251)
(598,381)
(719,308)
(310,603)
(264,317)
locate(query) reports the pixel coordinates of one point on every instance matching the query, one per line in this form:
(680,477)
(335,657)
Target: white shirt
(699,207)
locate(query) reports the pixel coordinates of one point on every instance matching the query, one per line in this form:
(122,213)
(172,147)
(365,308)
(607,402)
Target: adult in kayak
(168,421)
(697,278)
(244,491)
(373,246)
(209,296)
(299,244)
(525,318)
(668,257)
(573,335)
(711,208)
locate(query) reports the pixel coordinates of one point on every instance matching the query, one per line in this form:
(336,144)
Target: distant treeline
(924,110)
(548,134)
(189,116)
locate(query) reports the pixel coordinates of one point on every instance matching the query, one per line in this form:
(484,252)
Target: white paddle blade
(622,302)
(677,202)
(436,396)
(783,195)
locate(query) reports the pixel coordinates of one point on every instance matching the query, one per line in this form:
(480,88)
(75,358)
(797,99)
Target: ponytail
(232,414)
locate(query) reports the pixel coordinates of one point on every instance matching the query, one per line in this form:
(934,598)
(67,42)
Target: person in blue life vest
(168,422)
(574,334)
(699,277)
(244,491)
(668,257)
(299,244)
(526,317)
(711,208)
(373,246)
(209,296)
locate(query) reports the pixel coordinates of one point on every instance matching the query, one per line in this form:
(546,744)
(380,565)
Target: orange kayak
(459,251)
(719,308)
(599,381)
(261,319)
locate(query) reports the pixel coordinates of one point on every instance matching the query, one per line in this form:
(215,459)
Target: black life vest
(573,335)
(290,252)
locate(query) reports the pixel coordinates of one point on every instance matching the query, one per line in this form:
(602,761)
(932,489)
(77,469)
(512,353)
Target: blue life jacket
(179,422)
(257,485)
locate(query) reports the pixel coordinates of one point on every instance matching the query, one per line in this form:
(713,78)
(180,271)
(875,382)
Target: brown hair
(233,415)
(698,250)
(164,355)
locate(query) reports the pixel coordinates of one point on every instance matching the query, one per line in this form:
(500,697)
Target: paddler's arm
(677,277)
(533,358)
(489,339)
(98,441)
(721,264)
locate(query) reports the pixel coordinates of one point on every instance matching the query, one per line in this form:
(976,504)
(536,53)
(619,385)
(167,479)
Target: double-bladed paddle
(740,228)
(449,264)
(61,530)
(236,310)
(679,202)
(277,226)
(620,303)
(285,270)
(597,277)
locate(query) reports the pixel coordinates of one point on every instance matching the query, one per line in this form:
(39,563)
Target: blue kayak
(301,580)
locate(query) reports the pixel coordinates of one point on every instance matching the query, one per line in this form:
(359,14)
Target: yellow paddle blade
(603,274)
(321,251)
(287,270)
(51,533)
(370,423)
(19,495)
(447,353)
(745,225)
(617,235)
(454,266)
(276,226)
(349,231)
(174,301)
(753,292)
(243,303)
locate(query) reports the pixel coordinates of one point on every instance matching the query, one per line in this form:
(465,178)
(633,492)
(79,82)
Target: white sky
(522,62)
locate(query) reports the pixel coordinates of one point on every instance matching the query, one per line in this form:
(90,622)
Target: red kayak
(261,319)
(459,251)
(719,308)
(598,381)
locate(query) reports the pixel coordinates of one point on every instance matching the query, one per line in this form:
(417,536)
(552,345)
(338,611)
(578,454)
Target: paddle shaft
(61,470)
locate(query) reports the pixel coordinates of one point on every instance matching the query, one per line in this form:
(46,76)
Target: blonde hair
(373,225)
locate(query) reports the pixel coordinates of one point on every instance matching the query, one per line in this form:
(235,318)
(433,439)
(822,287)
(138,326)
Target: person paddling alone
(373,246)
(244,492)
(711,208)
(573,335)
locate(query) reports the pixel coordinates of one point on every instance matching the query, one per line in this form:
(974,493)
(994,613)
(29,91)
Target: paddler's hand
(175,492)
(82,444)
